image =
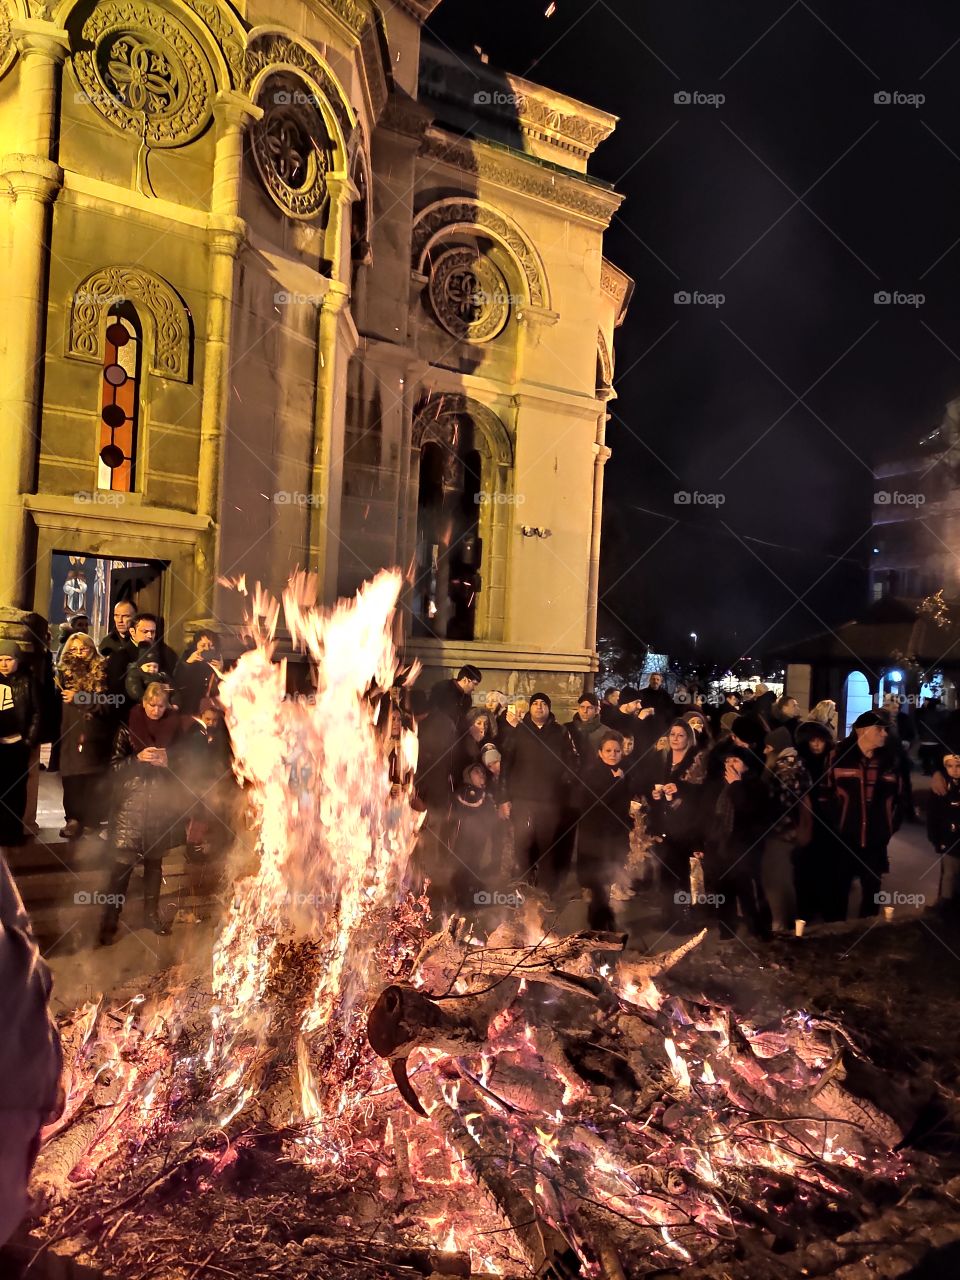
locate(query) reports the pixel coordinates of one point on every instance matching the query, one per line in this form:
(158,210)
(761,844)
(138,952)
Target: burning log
(544,1248)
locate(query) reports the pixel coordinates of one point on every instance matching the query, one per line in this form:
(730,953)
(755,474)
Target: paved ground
(83,969)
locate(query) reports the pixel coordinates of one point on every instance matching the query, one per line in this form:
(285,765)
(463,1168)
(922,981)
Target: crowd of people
(747,811)
(138,739)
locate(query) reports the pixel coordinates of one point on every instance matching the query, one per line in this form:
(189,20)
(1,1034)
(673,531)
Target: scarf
(145,732)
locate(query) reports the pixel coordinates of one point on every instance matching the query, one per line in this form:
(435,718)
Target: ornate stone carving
(574,193)
(8,50)
(291,147)
(351,13)
(454,213)
(469,296)
(144,72)
(450,79)
(273,48)
(606,360)
(437,413)
(229,36)
(162,309)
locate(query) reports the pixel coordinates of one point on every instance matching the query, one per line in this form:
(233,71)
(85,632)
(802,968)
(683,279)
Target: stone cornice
(516,172)
(563,122)
(419,9)
(403,114)
(616,284)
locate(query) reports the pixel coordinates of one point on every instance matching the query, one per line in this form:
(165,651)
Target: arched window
(120,399)
(448,542)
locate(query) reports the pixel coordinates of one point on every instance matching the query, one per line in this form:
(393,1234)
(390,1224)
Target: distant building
(905,642)
(916,518)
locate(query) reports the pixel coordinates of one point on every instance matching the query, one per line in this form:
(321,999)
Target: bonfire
(345,1092)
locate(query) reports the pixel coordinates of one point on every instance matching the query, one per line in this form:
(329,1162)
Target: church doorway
(448,541)
(94,584)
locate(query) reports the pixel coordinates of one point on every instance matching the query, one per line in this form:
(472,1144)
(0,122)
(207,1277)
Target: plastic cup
(888,913)
(798,927)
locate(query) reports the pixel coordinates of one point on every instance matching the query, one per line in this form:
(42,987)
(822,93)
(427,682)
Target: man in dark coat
(433,788)
(585,726)
(536,776)
(455,697)
(655,697)
(118,638)
(867,780)
(20,715)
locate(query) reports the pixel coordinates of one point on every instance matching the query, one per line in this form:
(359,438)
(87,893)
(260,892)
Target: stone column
(34,180)
(227,231)
(327,478)
(601,454)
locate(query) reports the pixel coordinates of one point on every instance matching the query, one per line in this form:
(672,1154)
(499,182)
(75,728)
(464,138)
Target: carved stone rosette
(145,72)
(291,147)
(469,296)
(452,214)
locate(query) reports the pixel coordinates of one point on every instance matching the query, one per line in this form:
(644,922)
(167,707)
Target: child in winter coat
(472,841)
(943,830)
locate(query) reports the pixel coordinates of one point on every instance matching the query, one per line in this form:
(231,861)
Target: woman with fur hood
(85,734)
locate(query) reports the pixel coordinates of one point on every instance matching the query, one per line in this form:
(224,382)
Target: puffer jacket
(149,802)
(26,705)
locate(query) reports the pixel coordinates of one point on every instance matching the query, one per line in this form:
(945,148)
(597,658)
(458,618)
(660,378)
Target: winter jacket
(474,828)
(790,784)
(194,681)
(436,744)
(943,819)
(113,642)
(583,735)
(678,819)
(137,681)
(538,764)
(863,824)
(736,823)
(664,708)
(86,722)
(605,823)
(26,708)
(149,801)
(448,697)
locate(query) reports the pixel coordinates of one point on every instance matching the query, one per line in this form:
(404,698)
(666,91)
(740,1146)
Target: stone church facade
(311,293)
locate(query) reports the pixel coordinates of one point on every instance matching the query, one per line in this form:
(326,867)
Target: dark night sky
(709,194)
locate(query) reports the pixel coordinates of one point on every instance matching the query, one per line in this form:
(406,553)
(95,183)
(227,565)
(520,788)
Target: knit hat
(541,697)
(728,720)
(500,697)
(749,730)
(869,719)
(629,694)
(9,649)
(490,755)
(587,696)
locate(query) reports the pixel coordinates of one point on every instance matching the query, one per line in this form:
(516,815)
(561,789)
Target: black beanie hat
(749,730)
(629,694)
(541,697)
(870,718)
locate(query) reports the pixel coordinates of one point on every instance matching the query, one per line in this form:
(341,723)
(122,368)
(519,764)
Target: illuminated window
(120,399)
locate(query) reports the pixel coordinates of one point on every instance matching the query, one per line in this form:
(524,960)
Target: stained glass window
(120,399)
